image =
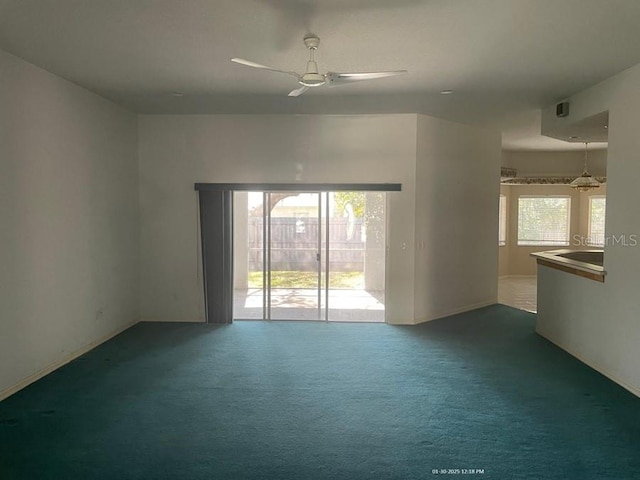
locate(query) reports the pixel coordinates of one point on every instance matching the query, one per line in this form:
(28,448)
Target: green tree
(356,199)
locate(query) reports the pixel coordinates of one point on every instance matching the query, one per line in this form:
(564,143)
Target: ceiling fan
(311,78)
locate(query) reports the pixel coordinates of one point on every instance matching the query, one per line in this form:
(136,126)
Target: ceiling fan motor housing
(312,78)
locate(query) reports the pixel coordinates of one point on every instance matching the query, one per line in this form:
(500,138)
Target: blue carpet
(478,394)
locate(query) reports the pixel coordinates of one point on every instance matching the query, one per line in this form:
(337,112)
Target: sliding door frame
(216,231)
(326,259)
(319,253)
(267,201)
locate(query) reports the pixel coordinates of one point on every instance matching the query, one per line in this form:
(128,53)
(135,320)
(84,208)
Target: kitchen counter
(585,263)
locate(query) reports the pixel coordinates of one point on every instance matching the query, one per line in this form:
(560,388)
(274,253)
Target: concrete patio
(345,305)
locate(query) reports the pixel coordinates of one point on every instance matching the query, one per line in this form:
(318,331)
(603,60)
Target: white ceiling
(504,59)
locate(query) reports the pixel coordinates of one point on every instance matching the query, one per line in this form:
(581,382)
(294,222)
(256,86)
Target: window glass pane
(543,220)
(597,208)
(502,222)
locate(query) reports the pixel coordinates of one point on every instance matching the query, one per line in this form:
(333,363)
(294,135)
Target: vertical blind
(216,230)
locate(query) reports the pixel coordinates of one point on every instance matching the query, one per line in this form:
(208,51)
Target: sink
(594,257)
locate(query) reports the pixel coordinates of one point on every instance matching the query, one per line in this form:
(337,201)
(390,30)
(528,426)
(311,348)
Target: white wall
(69,220)
(599,322)
(555,164)
(457,178)
(177,151)
(458,165)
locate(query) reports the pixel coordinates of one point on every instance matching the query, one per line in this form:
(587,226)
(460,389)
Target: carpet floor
(477,395)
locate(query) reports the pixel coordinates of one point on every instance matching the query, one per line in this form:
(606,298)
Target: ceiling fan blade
(298,91)
(335,79)
(248,63)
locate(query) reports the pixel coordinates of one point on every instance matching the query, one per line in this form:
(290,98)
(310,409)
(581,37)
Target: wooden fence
(294,244)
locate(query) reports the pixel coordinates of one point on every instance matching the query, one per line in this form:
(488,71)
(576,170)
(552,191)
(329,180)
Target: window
(597,208)
(502,222)
(543,220)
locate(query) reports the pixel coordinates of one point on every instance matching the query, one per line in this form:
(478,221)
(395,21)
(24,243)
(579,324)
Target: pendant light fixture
(585,182)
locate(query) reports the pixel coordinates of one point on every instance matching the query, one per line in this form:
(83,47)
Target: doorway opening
(301,255)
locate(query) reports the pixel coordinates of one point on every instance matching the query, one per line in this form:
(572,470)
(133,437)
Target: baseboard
(182,320)
(502,277)
(597,368)
(63,361)
(456,311)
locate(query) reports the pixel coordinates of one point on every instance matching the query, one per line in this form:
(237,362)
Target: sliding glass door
(356,256)
(309,256)
(293,256)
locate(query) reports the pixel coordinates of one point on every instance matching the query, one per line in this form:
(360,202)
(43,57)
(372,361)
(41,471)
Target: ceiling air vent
(562,109)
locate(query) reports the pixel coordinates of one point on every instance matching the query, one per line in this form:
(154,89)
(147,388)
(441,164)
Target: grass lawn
(289,279)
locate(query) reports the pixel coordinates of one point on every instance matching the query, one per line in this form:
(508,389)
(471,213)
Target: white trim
(503,227)
(609,375)
(63,361)
(457,311)
(179,320)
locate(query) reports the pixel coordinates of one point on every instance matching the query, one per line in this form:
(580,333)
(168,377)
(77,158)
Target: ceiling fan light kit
(312,78)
